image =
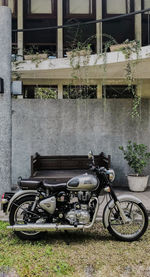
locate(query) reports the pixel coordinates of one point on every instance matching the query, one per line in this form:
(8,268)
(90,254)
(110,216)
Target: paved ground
(144,196)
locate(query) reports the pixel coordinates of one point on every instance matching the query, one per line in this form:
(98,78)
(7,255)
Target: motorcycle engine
(79,216)
(80,213)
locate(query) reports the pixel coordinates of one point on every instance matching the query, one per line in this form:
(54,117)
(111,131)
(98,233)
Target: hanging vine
(80,57)
(129,48)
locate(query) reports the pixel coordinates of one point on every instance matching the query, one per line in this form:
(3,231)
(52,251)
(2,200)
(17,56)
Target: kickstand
(66,235)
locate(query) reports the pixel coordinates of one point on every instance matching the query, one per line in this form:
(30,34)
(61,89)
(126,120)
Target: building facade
(28,14)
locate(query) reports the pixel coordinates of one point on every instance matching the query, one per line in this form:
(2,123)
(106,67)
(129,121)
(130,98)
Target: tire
(13,218)
(128,232)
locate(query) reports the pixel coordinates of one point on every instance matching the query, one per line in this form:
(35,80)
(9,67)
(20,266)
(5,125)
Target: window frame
(106,15)
(31,15)
(79,15)
(143,7)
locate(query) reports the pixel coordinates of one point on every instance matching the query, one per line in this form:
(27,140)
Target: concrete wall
(5,99)
(58,127)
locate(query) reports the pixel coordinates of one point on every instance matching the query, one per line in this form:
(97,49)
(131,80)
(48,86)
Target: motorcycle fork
(117,203)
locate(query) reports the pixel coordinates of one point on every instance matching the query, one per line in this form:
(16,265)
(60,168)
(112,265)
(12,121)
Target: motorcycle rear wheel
(135,228)
(16,215)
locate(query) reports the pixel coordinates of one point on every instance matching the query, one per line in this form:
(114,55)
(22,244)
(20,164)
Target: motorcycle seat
(29,184)
(55,187)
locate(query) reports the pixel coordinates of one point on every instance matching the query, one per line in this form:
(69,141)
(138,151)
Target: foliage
(74,254)
(45,93)
(75,55)
(129,48)
(136,156)
(82,92)
(80,56)
(34,50)
(17,66)
(35,54)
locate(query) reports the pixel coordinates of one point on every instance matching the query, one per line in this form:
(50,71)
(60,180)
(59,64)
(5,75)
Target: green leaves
(136,156)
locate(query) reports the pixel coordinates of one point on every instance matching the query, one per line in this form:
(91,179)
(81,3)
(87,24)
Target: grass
(93,253)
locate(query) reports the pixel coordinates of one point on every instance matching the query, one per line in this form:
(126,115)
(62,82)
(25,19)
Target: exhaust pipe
(43,227)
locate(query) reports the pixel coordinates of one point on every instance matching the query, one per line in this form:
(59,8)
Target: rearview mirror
(90,155)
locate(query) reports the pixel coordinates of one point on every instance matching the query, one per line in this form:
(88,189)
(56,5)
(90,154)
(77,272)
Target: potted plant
(33,54)
(137,157)
(80,51)
(126,45)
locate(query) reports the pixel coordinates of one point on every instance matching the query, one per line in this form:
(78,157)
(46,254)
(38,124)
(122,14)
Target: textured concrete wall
(58,127)
(5,99)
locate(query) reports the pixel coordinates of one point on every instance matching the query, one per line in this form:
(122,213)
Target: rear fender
(110,205)
(19,194)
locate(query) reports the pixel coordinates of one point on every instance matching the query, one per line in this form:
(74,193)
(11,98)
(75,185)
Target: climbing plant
(80,57)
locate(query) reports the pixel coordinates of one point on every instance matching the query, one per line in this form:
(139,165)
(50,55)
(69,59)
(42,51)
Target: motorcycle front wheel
(20,214)
(137,221)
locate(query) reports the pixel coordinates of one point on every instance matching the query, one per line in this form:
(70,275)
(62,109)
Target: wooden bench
(57,169)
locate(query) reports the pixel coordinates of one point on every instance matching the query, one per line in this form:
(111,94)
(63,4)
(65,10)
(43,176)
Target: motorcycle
(39,206)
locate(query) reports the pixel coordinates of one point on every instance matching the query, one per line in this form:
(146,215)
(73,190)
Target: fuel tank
(85,182)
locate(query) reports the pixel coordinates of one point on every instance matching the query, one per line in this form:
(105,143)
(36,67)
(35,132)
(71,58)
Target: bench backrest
(65,162)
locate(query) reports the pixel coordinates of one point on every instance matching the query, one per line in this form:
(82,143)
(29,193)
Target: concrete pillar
(20,26)
(139,87)
(99,90)
(138,21)
(60,91)
(5,100)
(59,31)
(99,39)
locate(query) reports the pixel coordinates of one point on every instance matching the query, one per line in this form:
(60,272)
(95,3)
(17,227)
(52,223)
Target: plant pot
(36,56)
(120,47)
(137,183)
(78,53)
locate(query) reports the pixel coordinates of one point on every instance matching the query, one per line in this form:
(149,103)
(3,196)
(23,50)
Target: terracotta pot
(78,53)
(137,183)
(118,47)
(36,56)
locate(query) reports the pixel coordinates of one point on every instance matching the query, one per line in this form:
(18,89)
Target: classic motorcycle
(39,207)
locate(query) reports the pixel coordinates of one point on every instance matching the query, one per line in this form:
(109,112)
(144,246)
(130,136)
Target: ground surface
(90,254)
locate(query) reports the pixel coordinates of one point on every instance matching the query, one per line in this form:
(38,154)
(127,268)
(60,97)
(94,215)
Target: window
(80,6)
(40,92)
(11,5)
(82,92)
(118,91)
(41,7)
(118,6)
(146,4)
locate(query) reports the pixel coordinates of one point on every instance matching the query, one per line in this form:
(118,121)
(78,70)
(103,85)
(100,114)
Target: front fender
(19,194)
(110,205)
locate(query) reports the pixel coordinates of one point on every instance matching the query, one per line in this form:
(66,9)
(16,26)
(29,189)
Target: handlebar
(97,169)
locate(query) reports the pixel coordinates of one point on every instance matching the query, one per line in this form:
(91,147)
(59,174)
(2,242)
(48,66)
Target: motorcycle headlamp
(111,175)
